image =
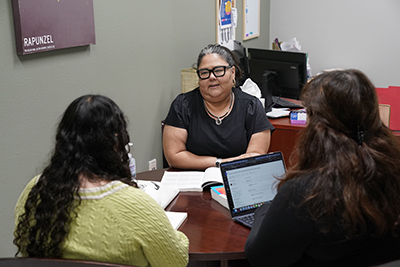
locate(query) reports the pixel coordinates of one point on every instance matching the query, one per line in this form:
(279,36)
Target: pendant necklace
(218,119)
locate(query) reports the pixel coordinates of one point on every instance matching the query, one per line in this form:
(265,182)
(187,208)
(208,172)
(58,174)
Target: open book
(192,180)
(162,194)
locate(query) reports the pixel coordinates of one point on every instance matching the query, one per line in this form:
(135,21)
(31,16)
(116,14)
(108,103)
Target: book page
(212,176)
(184,181)
(162,194)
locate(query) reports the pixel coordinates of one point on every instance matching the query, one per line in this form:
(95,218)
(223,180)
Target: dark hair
(226,54)
(90,141)
(351,158)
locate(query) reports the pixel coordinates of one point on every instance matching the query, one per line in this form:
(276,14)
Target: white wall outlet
(152,165)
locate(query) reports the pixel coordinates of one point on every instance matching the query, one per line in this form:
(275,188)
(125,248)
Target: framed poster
(44,25)
(226,17)
(251,19)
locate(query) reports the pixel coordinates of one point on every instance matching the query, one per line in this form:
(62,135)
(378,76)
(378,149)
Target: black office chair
(44,262)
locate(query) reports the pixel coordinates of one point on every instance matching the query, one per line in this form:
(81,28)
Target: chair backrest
(384,112)
(45,262)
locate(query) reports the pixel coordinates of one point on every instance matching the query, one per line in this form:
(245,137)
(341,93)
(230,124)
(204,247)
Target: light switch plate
(152,165)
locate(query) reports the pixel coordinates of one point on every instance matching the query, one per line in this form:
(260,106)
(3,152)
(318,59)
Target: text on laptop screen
(254,185)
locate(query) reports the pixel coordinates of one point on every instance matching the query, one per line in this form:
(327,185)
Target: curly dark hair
(91,141)
(351,158)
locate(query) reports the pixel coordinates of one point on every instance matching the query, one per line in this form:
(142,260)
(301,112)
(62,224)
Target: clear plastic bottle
(309,71)
(132,166)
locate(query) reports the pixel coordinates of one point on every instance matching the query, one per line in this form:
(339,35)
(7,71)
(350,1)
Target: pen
(156,186)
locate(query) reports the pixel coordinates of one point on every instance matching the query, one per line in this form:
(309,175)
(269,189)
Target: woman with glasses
(215,122)
(340,204)
(84,204)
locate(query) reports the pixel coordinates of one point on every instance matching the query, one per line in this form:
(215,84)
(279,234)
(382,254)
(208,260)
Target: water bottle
(132,166)
(309,71)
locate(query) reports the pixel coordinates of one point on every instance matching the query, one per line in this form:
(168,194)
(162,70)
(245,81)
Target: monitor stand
(267,83)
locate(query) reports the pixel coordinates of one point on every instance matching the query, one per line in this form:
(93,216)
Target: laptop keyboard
(283,103)
(247,219)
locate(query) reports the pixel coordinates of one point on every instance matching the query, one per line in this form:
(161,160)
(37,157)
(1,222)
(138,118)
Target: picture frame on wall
(45,25)
(251,19)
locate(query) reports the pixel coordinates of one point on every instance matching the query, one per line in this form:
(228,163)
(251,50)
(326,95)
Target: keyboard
(283,103)
(246,220)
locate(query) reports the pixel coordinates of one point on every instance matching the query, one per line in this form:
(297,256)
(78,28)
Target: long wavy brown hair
(90,141)
(351,158)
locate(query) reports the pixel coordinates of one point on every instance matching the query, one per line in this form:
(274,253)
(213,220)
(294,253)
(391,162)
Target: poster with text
(44,25)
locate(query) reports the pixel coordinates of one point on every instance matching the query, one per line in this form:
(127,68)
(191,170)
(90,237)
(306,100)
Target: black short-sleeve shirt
(205,137)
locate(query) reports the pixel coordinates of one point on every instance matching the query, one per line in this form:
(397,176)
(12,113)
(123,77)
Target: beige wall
(135,61)
(358,34)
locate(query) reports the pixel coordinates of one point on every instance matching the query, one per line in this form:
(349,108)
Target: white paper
(183,180)
(162,194)
(278,112)
(192,180)
(176,218)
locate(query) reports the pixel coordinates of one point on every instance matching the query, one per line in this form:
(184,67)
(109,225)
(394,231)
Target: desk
(214,239)
(285,135)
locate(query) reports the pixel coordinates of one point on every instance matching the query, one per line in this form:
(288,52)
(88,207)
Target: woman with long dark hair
(84,204)
(340,203)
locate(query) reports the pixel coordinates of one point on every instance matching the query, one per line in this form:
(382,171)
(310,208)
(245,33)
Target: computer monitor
(287,71)
(241,52)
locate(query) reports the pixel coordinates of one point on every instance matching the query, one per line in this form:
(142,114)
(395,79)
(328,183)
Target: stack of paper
(278,113)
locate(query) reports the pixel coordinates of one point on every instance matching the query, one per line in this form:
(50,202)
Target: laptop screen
(250,182)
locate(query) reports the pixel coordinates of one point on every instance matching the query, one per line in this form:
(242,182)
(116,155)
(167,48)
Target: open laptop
(250,183)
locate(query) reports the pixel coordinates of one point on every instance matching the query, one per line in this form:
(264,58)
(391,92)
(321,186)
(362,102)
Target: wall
(358,34)
(141,46)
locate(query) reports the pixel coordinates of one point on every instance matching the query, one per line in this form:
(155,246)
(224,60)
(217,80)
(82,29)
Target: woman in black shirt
(215,122)
(340,204)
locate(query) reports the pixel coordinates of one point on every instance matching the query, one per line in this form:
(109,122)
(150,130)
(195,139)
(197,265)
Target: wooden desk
(214,239)
(284,137)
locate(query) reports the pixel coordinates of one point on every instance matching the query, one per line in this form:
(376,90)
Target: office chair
(45,262)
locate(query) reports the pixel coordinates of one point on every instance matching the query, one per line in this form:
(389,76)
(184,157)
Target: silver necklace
(218,119)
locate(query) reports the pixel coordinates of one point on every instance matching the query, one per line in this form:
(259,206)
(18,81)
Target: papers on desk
(176,218)
(278,113)
(192,181)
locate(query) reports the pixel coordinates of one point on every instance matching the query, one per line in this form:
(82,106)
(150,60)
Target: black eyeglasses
(218,71)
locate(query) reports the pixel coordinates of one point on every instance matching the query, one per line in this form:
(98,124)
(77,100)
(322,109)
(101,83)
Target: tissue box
(298,116)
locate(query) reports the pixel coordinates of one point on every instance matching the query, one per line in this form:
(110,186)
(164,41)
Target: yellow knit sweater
(120,224)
